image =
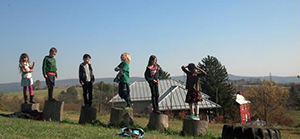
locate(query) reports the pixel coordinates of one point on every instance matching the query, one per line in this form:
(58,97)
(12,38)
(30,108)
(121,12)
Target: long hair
(125,57)
(21,60)
(151,61)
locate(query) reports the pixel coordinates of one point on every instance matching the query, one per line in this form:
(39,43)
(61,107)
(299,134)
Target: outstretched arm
(201,70)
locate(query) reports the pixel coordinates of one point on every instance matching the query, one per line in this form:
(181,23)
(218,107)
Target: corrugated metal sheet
(170,91)
(175,100)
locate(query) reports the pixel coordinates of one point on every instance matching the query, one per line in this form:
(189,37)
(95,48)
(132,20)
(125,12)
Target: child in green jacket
(50,72)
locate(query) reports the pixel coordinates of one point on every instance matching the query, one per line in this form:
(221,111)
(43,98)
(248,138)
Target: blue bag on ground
(131,132)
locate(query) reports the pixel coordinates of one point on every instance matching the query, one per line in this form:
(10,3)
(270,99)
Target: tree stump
(53,110)
(87,115)
(121,117)
(194,127)
(158,122)
(28,108)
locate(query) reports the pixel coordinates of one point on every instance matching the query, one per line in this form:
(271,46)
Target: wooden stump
(194,127)
(27,108)
(121,117)
(158,122)
(53,110)
(87,115)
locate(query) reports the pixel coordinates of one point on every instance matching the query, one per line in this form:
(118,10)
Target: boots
(25,99)
(31,99)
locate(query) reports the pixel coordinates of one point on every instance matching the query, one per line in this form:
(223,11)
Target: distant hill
(16,87)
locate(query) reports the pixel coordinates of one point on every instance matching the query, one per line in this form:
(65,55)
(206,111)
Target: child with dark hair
(26,69)
(123,79)
(86,79)
(153,74)
(193,86)
(50,72)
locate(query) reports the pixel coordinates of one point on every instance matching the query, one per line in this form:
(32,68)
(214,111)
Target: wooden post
(158,122)
(121,117)
(194,127)
(27,108)
(87,115)
(53,110)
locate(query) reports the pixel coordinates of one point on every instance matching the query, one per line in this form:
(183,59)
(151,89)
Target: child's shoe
(196,117)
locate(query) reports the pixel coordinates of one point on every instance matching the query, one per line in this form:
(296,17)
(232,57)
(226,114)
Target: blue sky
(251,38)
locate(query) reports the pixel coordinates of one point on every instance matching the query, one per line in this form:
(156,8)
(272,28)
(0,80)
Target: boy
(50,72)
(86,79)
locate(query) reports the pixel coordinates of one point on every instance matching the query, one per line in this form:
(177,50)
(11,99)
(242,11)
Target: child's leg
(197,109)
(25,93)
(191,108)
(24,90)
(30,90)
(84,88)
(31,94)
(90,91)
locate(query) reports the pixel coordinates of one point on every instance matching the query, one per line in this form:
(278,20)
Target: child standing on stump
(50,72)
(86,79)
(26,69)
(123,79)
(153,74)
(193,86)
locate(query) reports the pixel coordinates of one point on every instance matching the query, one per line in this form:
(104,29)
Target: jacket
(82,75)
(157,75)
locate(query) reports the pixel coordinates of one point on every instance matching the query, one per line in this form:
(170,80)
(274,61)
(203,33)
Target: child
(86,79)
(193,86)
(26,69)
(153,74)
(123,77)
(50,72)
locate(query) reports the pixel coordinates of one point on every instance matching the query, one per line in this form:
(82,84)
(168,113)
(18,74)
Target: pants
(50,82)
(25,90)
(124,93)
(88,90)
(154,95)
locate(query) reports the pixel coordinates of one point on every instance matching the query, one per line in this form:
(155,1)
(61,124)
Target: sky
(250,38)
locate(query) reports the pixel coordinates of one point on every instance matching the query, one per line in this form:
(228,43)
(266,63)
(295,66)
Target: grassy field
(40,94)
(22,128)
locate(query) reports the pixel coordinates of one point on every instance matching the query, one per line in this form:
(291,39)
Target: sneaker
(127,108)
(195,117)
(190,116)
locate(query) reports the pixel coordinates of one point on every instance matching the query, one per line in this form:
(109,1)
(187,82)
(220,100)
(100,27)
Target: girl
(123,78)
(193,86)
(153,74)
(26,69)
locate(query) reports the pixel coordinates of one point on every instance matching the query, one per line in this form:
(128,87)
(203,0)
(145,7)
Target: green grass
(295,115)
(44,92)
(68,128)
(22,128)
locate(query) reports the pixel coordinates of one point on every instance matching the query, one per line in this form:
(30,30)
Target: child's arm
(201,70)
(33,64)
(184,69)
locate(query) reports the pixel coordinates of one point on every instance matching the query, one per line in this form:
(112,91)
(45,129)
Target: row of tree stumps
(121,117)
(53,111)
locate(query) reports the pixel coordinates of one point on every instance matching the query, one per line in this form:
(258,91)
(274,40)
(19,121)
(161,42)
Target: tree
(2,106)
(268,100)
(165,75)
(36,85)
(294,98)
(217,86)
(71,96)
